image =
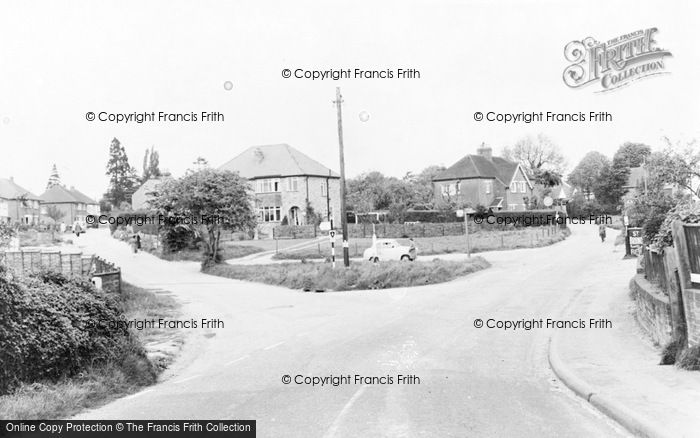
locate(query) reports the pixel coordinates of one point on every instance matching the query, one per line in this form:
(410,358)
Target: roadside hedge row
(53,326)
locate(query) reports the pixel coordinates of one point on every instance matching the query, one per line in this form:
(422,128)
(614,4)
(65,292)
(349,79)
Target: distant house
(637,183)
(485,180)
(74,204)
(284,181)
(17,204)
(141,197)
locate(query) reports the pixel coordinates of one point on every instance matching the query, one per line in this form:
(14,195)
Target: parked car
(390,249)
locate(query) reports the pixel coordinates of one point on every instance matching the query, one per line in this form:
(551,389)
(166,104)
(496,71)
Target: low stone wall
(652,309)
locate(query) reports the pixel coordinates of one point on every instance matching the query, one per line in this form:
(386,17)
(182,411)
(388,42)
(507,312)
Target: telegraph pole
(343,213)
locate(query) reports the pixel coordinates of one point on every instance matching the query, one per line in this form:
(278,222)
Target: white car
(390,249)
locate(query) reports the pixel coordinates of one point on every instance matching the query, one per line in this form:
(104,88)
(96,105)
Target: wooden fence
(676,272)
(103,273)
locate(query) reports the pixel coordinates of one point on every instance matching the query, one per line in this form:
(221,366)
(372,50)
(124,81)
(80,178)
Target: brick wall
(652,309)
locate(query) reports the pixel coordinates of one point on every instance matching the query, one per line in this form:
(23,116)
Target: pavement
(474,382)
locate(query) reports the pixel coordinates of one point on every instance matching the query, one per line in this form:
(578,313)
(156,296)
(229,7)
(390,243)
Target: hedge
(53,326)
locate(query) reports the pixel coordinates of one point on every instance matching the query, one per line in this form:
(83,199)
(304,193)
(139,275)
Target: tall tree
(536,154)
(54,179)
(206,202)
(587,173)
(151,162)
(631,155)
(676,164)
(122,177)
(613,178)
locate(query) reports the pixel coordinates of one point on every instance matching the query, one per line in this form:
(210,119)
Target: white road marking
(330,433)
(237,360)
(187,378)
(137,394)
(270,347)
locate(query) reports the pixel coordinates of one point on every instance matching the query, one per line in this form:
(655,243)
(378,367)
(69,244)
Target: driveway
(474,382)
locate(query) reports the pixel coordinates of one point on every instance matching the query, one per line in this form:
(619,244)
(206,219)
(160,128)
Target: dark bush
(670,353)
(179,238)
(54,326)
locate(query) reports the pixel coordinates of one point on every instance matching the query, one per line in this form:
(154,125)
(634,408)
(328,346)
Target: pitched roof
(149,185)
(11,190)
(80,196)
(276,160)
(477,166)
(59,195)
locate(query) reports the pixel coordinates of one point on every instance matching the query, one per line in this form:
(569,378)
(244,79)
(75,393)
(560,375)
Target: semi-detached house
(484,180)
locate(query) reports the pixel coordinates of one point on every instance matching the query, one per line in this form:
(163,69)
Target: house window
(512,206)
(269,214)
(324,189)
(267,185)
(522,186)
(489,186)
(293,184)
(514,187)
(449,189)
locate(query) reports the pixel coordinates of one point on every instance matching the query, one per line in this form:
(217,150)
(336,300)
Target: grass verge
(479,242)
(228,251)
(98,385)
(360,275)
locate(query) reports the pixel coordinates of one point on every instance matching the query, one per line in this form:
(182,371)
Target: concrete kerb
(630,420)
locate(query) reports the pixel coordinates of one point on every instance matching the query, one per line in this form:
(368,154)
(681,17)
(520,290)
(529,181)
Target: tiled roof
(59,195)
(80,196)
(277,160)
(11,190)
(477,166)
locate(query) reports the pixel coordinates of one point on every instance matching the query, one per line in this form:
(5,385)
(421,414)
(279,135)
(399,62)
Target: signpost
(331,237)
(633,239)
(466,212)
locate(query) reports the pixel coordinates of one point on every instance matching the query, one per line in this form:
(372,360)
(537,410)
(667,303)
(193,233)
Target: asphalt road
(474,382)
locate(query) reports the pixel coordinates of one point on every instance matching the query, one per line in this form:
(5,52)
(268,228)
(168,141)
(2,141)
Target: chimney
(485,151)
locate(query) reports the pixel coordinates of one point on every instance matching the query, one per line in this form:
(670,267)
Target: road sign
(331,234)
(325,226)
(548,201)
(635,236)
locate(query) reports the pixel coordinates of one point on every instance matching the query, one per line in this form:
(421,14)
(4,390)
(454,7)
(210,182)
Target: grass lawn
(360,275)
(229,250)
(480,241)
(99,384)
(39,238)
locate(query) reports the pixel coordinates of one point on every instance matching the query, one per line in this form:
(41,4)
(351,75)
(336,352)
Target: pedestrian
(62,227)
(601,231)
(77,229)
(133,243)
(138,240)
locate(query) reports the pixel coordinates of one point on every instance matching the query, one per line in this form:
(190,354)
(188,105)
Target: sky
(60,60)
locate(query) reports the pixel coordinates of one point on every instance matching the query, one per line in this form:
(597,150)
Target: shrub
(670,352)
(688,212)
(55,326)
(689,359)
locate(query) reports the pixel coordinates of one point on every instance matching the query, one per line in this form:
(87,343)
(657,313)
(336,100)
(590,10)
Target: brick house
(485,180)
(17,204)
(284,181)
(74,204)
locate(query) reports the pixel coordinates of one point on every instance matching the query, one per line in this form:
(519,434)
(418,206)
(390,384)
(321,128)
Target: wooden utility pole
(343,213)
